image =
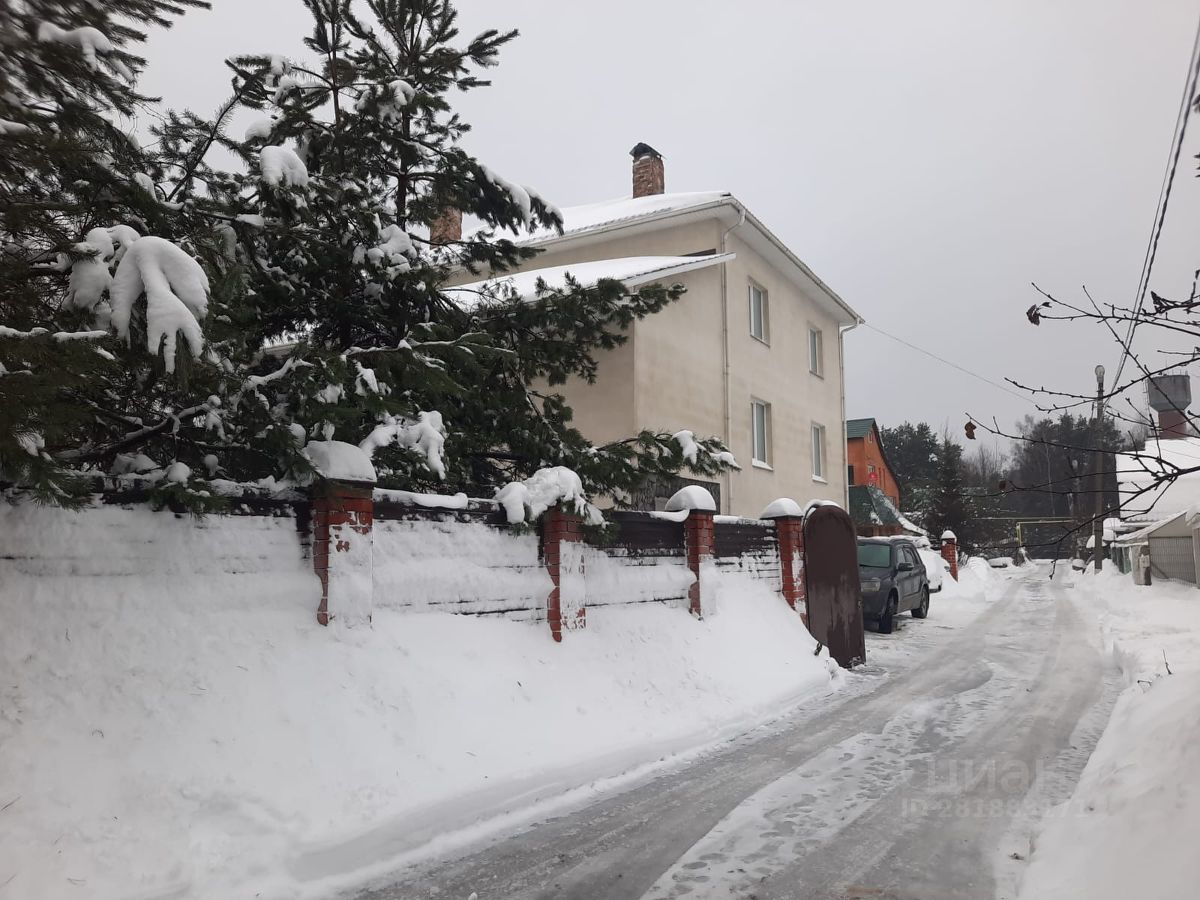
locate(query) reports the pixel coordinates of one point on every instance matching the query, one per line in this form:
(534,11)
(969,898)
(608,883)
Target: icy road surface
(924,779)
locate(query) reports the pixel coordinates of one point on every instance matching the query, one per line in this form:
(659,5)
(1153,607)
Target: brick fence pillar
(562,553)
(950,552)
(790,532)
(342,516)
(699,533)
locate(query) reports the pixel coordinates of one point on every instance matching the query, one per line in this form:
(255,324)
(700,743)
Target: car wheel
(922,609)
(887,620)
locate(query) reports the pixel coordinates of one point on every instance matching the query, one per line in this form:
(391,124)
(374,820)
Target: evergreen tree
(913,452)
(66,74)
(322,282)
(949,508)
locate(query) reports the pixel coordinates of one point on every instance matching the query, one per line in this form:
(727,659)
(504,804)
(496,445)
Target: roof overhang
(732,213)
(632,272)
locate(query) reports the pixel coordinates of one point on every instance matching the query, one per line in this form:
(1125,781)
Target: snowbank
(976,580)
(175,723)
(1124,832)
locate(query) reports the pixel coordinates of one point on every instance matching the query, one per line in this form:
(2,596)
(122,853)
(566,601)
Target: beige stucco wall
(777,373)
(670,375)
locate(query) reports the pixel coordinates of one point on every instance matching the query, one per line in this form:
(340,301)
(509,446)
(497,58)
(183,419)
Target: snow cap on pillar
(692,497)
(339,461)
(949,535)
(784,507)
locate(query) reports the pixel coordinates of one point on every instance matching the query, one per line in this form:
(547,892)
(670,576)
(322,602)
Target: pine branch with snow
(296,295)
(72,180)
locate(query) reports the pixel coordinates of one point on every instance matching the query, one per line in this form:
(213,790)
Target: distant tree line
(982,495)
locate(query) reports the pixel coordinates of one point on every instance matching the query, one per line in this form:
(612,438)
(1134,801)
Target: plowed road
(923,779)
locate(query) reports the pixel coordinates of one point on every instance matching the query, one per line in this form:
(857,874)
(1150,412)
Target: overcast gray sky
(928,159)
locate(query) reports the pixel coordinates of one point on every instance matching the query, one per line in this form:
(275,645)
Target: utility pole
(1097,473)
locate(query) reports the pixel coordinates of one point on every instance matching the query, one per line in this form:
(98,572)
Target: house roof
(858,428)
(1143,534)
(594,216)
(1139,470)
(631,271)
(583,224)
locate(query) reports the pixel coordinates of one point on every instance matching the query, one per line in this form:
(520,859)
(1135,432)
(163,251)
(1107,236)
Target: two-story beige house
(752,353)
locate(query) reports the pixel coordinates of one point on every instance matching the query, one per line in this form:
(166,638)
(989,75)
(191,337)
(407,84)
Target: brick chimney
(446,227)
(649,177)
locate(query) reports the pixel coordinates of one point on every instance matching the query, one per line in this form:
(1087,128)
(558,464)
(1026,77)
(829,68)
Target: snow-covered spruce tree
(348,335)
(74,196)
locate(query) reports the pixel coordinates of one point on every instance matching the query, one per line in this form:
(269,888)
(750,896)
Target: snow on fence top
(692,497)
(426,501)
(540,491)
(341,461)
(632,271)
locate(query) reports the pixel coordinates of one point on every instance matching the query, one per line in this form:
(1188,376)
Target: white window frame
(819,453)
(760,441)
(764,312)
(816,351)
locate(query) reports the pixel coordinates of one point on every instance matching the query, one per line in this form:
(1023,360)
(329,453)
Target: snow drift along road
(174,722)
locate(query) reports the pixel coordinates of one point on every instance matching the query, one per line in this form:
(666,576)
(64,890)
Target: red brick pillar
(699,535)
(342,515)
(950,552)
(562,552)
(790,532)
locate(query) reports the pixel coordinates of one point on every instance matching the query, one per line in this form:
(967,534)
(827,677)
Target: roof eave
(840,308)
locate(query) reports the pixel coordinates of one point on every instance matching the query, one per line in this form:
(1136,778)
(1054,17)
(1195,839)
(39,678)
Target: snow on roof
(1142,534)
(1138,470)
(595,218)
(591,216)
(631,271)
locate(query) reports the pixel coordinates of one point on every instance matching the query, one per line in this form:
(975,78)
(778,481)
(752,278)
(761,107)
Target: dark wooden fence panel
(643,534)
(750,546)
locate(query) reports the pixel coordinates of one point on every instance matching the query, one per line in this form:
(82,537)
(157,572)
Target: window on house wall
(816,352)
(818,451)
(850,475)
(760,431)
(759,314)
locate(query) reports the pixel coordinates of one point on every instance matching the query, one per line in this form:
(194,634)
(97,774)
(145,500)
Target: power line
(1164,197)
(947,362)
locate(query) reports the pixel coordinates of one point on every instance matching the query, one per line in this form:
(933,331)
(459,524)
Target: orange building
(866,462)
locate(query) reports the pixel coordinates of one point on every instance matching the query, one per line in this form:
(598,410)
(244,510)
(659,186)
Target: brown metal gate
(832,586)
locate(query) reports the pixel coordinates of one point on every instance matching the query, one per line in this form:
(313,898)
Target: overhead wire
(1164,197)
(947,362)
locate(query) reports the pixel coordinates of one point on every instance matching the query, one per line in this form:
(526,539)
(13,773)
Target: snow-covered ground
(1128,829)
(173,722)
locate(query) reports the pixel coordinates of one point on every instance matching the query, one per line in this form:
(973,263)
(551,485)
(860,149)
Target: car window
(875,556)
